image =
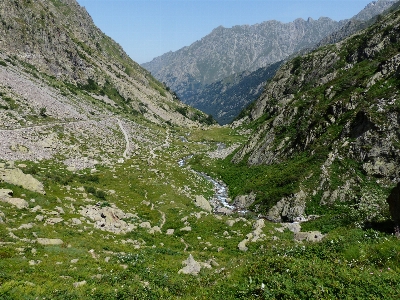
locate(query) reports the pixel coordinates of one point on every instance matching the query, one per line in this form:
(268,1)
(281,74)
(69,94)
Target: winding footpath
(125,154)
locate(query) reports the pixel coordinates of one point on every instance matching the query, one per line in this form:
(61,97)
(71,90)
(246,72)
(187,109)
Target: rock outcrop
(109,218)
(254,236)
(13,175)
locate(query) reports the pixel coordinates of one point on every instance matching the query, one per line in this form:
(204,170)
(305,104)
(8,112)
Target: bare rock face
(323,134)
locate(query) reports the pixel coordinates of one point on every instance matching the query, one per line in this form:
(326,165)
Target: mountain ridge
(183,72)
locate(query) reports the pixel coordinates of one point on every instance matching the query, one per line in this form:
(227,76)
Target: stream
(219,200)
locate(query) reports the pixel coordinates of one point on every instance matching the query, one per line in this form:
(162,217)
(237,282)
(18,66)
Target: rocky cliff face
(336,108)
(374,8)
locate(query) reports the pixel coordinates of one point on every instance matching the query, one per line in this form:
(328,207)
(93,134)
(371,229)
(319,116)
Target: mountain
(362,20)
(328,125)
(197,72)
(58,38)
(249,48)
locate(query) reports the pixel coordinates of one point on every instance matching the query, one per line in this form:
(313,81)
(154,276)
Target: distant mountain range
(197,72)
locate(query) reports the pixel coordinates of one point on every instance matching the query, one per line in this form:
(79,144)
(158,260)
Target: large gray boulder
(16,177)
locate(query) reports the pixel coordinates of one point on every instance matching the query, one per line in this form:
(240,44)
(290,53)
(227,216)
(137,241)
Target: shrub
(42,112)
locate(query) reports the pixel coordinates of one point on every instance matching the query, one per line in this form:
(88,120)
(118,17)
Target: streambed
(220,199)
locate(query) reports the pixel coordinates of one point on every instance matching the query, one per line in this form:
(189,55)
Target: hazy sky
(149,28)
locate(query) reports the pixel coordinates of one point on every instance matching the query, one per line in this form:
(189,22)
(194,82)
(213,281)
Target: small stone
(44,241)
(170,231)
(154,230)
(79,284)
(146,225)
(242,246)
(230,223)
(39,218)
(52,221)
(76,221)
(187,228)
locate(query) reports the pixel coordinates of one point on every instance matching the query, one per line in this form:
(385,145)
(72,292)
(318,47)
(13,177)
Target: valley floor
(130,229)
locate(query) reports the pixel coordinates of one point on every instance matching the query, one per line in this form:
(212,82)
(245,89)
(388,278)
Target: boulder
(244,201)
(79,284)
(17,202)
(203,203)
(170,231)
(289,209)
(187,228)
(44,241)
(310,236)
(192,266)
(5,193)
(224,211)
(109,218)
(17,177)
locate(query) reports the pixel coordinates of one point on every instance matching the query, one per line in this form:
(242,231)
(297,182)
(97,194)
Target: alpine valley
(222,83)
(112,188)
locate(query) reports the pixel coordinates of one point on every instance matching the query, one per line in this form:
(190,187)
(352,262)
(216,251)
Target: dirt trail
(125,154)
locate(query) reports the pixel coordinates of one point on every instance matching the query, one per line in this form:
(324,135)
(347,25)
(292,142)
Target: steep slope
(58,38)
(330,121)
(360,21)
(225,99)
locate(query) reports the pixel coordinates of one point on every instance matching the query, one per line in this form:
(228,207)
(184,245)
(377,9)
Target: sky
(149,28)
